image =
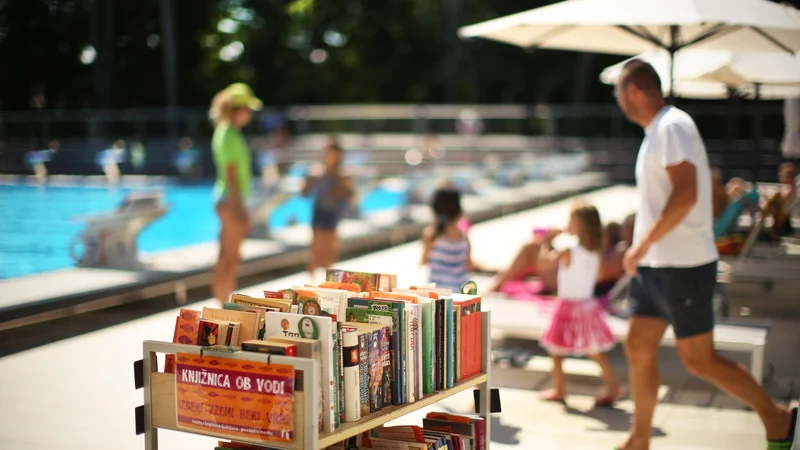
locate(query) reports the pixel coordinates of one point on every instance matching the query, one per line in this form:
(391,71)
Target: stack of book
(378,345)
(439,431)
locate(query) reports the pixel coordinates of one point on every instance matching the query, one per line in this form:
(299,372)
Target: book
(215,332)
(378,364)
(471,334)
(274,348)
(450,343)
(311,327)
(248,322)
(271,304)
(368,281)
(427,346)
(351,377)
(398,389)
(306,348)
(332,301)
(187,325)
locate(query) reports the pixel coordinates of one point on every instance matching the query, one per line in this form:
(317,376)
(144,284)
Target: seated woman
(778,206)
(527,261)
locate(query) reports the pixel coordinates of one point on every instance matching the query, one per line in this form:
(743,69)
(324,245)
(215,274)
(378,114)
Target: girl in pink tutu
(577,326)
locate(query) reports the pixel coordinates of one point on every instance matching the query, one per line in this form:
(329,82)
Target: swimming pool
(35,225)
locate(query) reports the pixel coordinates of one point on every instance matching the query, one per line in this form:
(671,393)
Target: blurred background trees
(153,53)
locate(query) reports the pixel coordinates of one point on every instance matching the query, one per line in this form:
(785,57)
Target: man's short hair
(642,75)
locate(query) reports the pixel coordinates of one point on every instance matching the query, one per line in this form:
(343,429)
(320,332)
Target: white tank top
(576,281)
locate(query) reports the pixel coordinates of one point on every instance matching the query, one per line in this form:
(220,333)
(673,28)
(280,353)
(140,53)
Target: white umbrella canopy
(629,27)
(710,74)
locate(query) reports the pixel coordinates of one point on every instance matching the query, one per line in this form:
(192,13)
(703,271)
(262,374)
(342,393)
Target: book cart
(160,410)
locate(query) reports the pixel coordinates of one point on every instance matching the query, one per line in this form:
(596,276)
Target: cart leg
(486,364)
(149,363)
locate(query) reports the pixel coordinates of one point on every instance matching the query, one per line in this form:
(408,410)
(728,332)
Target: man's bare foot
(634,443)
(779,426)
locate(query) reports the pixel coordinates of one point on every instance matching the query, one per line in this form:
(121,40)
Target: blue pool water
(36,230)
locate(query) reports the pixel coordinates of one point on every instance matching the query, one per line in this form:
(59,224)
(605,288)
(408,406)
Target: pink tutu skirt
(577,328)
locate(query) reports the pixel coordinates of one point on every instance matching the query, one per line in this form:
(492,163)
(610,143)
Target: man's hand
(634,255)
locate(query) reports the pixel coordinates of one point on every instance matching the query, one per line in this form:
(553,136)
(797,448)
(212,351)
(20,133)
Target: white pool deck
(78,393)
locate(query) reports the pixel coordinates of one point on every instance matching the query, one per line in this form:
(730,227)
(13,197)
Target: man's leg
(699,357)
(641,347)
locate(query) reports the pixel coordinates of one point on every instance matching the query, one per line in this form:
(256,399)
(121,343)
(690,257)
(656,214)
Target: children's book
(368,281)
(311,327)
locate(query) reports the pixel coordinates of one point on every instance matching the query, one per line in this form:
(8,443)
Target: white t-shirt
(671,138)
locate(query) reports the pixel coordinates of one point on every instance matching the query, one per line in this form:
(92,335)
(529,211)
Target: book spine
(451,342)
(401,330)
(427,346)
(439,331)
(385,334)
(376,372)
(409,356)
(352,380)
(418,356)
(363,359)
(338,397)
(394,350)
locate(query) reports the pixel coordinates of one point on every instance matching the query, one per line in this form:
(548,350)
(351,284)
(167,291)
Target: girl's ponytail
(441,222)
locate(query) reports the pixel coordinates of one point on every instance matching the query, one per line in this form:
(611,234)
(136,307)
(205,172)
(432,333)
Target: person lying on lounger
(526,263)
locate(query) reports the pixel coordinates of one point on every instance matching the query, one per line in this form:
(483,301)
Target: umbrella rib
(642,34)
(715,30)
(777,43)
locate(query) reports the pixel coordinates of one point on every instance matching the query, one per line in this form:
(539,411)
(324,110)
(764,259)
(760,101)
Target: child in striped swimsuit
(446,248)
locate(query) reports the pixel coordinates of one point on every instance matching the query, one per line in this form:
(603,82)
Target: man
(673,262)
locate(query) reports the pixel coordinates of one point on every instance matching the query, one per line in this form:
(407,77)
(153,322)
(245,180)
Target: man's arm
(683,178)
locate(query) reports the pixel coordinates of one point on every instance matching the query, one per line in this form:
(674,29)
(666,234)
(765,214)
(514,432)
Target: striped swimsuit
(448,263)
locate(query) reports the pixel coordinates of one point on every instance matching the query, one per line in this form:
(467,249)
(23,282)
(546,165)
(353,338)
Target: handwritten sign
(234,397)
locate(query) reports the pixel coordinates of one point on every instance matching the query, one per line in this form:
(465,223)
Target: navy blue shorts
(325,220)
(683,297)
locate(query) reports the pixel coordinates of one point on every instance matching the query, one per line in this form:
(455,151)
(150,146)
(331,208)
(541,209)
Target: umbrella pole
(757,132)
(672,76)
(673,48)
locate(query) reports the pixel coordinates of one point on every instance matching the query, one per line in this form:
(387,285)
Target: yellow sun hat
(241,95)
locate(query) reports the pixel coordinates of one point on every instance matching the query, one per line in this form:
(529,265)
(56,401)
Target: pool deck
(50,295)
(91,401)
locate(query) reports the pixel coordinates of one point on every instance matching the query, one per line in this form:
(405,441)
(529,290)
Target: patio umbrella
(630,27)
(708,74)
(711,75)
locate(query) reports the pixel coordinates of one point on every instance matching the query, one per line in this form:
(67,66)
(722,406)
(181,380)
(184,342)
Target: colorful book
(248,328)
(471,331)
(398,361)
(367,281)
(350,375)
(311,327)
(379,363)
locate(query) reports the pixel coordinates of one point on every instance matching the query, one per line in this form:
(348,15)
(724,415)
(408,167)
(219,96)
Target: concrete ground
(78,392)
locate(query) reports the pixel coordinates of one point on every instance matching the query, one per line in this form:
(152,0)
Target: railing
(601,129)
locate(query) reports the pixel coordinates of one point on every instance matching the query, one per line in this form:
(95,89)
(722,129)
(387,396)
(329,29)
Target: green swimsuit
(229,147)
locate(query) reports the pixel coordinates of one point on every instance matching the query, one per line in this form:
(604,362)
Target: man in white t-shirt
(673,261)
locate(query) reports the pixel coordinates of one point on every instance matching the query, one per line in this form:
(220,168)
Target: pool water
(36,226)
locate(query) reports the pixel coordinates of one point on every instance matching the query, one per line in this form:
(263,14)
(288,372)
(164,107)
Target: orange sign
(236,398)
